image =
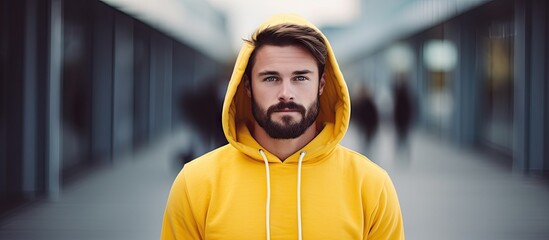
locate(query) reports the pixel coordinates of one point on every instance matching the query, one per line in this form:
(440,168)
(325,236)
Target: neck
(283,148)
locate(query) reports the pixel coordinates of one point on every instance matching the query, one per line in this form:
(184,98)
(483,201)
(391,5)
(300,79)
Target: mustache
(286,105)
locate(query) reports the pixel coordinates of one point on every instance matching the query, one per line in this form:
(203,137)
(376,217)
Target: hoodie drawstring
(299,163)
(268,204)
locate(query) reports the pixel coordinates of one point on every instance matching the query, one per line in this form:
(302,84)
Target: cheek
(310,95)
(259,98)
(263,95)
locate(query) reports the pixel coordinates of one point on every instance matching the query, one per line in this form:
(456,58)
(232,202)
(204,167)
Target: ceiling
(216,27)
(386,21)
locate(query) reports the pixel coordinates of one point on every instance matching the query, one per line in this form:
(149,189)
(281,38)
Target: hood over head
(334,112)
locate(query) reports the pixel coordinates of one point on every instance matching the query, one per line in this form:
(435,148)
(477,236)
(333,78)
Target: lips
(286,107)
(287,110)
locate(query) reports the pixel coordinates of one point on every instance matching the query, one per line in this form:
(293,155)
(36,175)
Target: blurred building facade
(478,76)
(83,83)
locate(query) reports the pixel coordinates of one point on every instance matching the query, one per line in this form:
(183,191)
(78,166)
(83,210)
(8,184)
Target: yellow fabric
(222,194)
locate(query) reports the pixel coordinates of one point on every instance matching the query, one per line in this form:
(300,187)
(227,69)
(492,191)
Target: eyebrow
(298,72)
(266,73)
(301,72)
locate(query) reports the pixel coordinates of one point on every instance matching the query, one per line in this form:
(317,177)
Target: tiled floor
(445,193)
(451,193)
(124,201)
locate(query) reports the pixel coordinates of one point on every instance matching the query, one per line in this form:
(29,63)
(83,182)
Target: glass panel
(497,114)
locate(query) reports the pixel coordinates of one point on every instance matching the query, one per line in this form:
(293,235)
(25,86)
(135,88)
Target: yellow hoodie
(238,192)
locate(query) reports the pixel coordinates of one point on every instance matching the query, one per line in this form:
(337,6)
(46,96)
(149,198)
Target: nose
(286,93)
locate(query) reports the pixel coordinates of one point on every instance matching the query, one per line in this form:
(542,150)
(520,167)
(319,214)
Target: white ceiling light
(399,57)
(440,55)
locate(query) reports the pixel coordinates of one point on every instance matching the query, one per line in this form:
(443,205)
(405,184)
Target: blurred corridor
(103,101)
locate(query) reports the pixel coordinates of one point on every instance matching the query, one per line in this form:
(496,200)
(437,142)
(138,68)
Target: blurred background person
(365,114)
(402,112)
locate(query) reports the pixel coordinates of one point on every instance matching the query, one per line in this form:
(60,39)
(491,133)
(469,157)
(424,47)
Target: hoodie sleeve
(387,218)
(179,221)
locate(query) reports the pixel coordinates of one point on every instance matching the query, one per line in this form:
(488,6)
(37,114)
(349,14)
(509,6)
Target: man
(283,174)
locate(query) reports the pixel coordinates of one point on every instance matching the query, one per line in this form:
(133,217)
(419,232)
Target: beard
(289,128)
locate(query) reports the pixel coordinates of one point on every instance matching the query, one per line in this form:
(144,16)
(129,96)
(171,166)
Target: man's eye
(300,78)
(270,79)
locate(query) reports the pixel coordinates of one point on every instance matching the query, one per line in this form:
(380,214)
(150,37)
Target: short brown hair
(290,34)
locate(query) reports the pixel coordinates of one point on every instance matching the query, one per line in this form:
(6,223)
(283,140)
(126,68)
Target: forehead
(290,57)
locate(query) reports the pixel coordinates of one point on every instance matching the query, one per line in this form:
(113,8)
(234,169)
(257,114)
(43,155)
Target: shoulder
(360,164)
(221,162)
(372,178)
(210,161)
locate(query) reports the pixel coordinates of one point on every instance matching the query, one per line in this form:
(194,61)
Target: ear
(247,85)
(321,84)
